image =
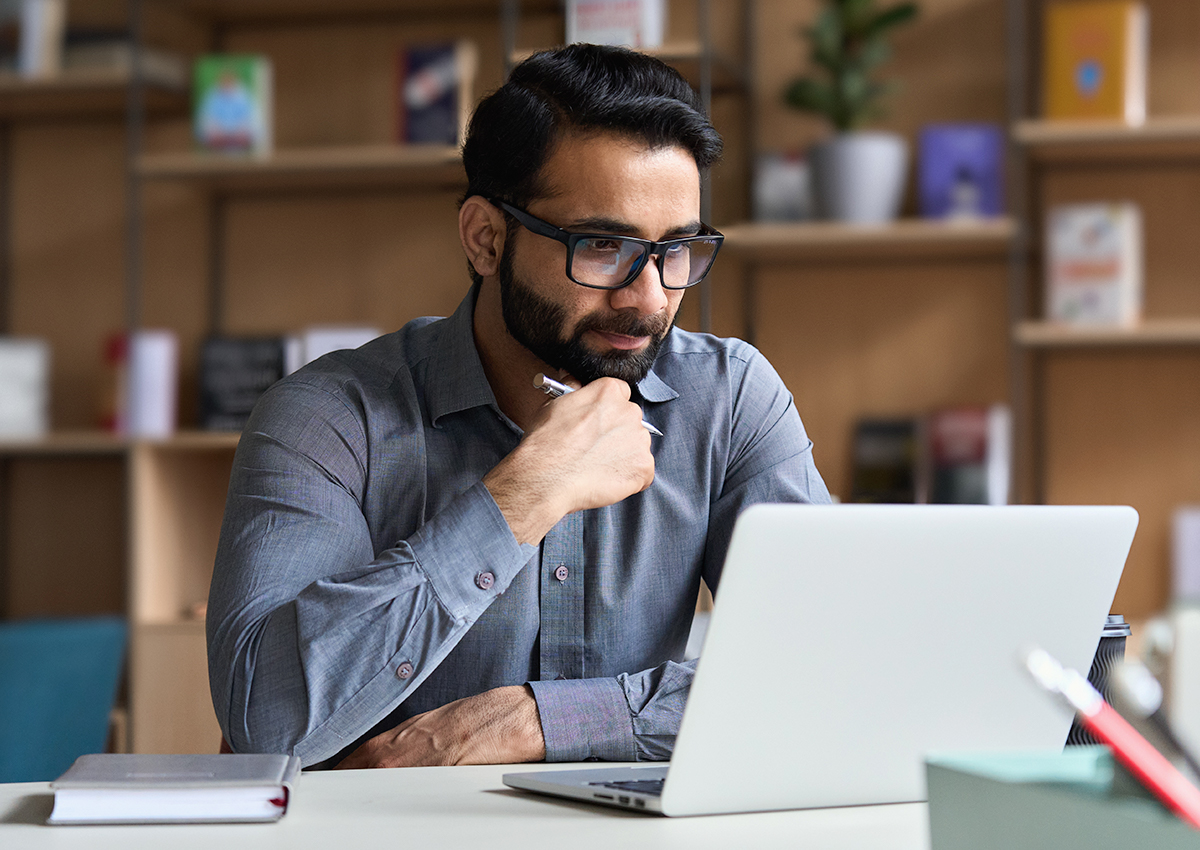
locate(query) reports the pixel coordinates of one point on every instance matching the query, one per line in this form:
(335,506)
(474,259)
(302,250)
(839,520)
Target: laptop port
(624,801)
(604,796)
(639,802)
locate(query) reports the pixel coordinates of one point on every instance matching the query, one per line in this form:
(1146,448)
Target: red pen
(1148,765)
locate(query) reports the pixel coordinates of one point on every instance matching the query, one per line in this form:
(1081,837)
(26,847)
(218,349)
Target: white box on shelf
(24,387)
(320,340)
(153,399)
(630,23)
(42,35)
(1185,554)
(1094,264)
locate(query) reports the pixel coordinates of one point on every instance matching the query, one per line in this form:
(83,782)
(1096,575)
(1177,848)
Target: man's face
(599,184)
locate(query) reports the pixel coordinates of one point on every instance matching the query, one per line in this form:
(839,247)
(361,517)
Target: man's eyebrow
(601,224)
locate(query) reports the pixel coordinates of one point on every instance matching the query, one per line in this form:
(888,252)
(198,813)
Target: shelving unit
(1111,416)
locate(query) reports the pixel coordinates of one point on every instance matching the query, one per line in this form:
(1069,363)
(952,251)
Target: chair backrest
(58,681)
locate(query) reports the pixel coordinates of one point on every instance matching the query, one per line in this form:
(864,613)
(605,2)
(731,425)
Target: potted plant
(857,176)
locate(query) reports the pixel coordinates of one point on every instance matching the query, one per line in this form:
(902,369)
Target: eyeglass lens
(609,261)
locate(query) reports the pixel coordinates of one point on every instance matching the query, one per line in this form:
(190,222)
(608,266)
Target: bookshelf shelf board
(1078,141)
(434,166)
(254,11)
(82,92)
(1151,332)
(65,444)
(197,441)
(783,241)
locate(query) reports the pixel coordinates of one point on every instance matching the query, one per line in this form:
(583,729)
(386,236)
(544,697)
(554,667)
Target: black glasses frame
(653,249)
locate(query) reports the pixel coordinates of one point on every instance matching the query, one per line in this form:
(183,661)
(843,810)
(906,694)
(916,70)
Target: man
(426,561)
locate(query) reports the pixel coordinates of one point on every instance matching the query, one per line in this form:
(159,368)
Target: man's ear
(481,229)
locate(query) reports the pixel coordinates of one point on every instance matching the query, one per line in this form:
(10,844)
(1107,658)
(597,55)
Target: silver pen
(554,389)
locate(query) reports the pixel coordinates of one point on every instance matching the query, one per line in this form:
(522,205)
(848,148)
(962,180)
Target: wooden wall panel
(1124,428)
(854,340)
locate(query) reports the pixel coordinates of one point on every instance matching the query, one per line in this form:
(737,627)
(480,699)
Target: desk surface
(466,807)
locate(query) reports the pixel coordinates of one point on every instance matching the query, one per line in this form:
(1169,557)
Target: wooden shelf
(81,93)
(1099,141)
(1152,332)
(433,166)
(908,238)
(104,443)
(251,11)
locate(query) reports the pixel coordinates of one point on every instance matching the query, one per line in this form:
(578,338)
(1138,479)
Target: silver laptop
(848,641)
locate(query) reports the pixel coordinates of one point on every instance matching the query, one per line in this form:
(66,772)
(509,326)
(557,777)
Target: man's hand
(500,726)
(586,449)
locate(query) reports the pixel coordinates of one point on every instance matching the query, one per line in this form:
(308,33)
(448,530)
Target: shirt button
(404,671)
(562,572)
(484,581)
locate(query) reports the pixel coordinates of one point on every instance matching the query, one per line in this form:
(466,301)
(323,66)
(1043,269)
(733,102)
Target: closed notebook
(1095,60)
(120,788)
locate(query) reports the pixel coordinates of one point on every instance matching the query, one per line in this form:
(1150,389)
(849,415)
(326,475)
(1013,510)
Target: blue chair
(58,681)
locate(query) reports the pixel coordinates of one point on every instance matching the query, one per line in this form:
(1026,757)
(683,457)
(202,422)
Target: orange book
(1094,63)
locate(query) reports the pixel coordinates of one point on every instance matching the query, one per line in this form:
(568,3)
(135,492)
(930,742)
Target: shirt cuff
(585,719)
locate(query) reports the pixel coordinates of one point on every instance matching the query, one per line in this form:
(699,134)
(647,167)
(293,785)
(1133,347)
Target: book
(887,459)
(960,171)
(1094,60)
(435,92)
(969,455)
(234,372)
(627,23)
(125,788)
(1094,264)
(232,108)
(143,396)
(24,387)
(320,340)
(43,31)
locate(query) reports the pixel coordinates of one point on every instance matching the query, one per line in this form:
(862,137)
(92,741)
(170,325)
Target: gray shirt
(365,575)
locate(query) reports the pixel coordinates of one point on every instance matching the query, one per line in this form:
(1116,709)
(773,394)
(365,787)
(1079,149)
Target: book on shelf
(320,340)
(628,23)
(234,373)
(1094,264)
(32,33)
(232,104)
(24,387)
(205,788)
(143,398)
(887,460)
(435,86)
(960,171)
(970,455)
(1094,60)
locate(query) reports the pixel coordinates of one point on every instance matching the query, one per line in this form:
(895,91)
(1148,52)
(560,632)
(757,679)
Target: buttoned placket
(561,596)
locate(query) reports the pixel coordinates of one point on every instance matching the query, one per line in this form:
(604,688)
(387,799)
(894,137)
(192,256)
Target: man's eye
(602,245)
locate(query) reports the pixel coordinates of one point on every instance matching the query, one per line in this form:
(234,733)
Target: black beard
(536,323)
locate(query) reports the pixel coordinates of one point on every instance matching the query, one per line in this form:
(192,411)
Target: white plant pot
(859,177)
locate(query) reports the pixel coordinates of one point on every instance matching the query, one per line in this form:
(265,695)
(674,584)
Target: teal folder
(1077,799)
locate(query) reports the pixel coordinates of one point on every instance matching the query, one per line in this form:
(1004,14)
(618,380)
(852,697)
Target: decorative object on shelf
(42,26)
(232,111)
(320,340)
(960,171)
(1094,264)
(24,387)
(144,395)
(435,86)
(1185,555)
(970,455)
(628,23)
(1095,60)
(887,461)
(234,372)
(858,176)
(781,187)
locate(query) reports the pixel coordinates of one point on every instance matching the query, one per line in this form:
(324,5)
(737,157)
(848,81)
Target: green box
(1078,799)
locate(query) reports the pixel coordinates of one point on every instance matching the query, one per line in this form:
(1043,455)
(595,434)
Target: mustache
(627,324)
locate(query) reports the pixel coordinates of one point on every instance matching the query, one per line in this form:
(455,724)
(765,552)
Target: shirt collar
(457,380)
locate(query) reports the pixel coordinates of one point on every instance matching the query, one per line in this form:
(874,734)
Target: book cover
(125,788)
(887,461)
(435,92)
(142,399)
(1094,264)
(1094,60)
(24,387)
(234,372)
(627,23)
(970,455)
(232,104)
(960,171)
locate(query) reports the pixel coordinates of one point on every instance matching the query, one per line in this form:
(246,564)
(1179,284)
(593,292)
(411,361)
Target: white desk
(465,807)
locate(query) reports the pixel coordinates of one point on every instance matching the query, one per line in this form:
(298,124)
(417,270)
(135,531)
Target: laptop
(848,641)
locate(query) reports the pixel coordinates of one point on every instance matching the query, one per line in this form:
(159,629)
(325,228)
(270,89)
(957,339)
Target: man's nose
(645,293)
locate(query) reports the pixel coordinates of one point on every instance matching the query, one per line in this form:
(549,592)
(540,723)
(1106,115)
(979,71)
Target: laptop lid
(848,641)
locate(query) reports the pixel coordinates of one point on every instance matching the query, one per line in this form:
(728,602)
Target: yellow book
(1094,64)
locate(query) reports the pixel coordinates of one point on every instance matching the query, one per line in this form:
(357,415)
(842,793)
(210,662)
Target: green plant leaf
(810,95)
(890,17)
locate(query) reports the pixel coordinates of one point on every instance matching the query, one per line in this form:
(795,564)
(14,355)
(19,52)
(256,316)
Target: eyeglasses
(605,261)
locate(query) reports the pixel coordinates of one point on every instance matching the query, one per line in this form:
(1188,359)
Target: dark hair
(579,87)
